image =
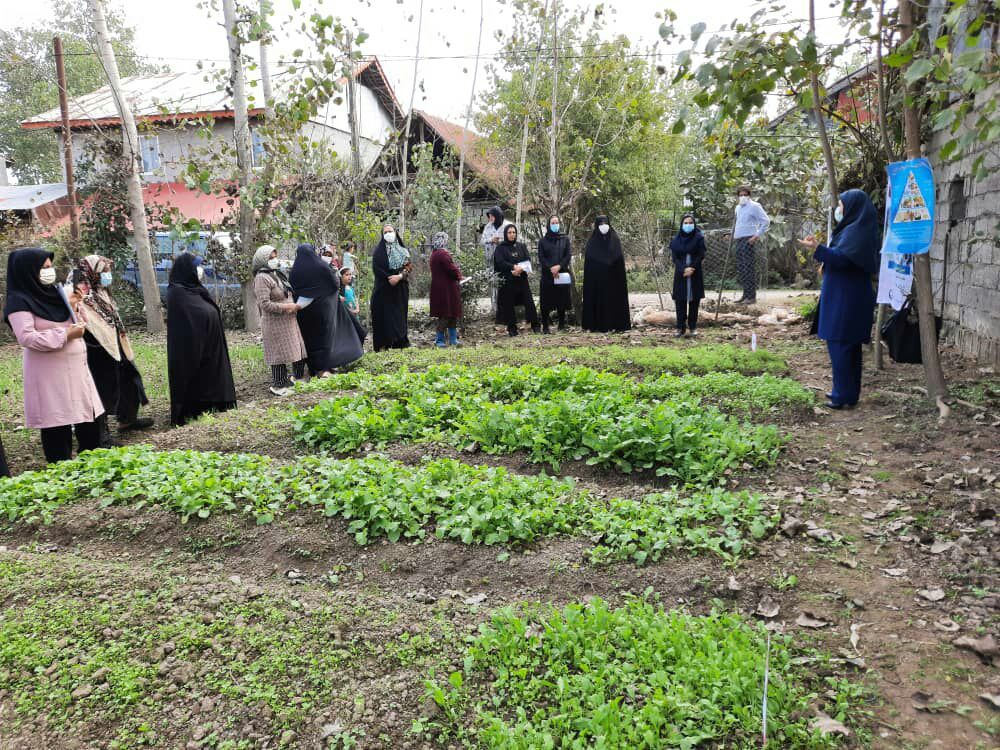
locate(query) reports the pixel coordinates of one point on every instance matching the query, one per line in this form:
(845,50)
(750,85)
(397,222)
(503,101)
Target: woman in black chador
(688,251)
(391,296)
(553,260)
(328,332)
(514,289)
(605,291)
(198,367)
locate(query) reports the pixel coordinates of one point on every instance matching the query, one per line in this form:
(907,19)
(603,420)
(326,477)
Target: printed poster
(895,279)
(910,208)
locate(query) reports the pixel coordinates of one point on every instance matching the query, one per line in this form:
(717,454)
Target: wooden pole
(244,164)
(933,374)
(406,130)
(352,114)
(461,147)
(554,129)
(67,135)
(890,156)
(130,149)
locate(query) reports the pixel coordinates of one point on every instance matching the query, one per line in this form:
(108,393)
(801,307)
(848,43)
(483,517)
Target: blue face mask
(688,228)
(106,278)
(554,228)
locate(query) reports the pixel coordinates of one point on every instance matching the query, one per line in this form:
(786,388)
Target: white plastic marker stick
(753,341)
(767,669)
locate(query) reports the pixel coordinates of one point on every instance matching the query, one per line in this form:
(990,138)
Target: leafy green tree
(28,81)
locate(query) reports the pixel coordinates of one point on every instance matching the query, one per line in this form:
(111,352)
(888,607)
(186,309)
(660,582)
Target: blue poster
(910,208)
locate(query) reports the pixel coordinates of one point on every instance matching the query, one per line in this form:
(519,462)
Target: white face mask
(274,264)
(744,199)
(47,276)
(201,273)
(838,214)
(604,228)
(389,237)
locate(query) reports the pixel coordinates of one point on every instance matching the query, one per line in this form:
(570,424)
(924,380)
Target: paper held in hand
(303,301)
(524,265)
(561,280)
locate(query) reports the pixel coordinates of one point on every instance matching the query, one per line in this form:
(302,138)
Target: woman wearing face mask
(109,352)
(688,251)
(198,366)
(508,262)
(391,294)
(280,334)
(847,300)
(59,393)
(553,259)
(329,254)
(605,289)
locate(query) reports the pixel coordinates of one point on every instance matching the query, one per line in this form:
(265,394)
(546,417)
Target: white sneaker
(280,391)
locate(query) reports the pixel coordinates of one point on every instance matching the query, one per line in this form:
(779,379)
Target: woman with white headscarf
(280,333)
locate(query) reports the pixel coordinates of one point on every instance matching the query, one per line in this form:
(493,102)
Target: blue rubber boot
(439,341)
(453,336)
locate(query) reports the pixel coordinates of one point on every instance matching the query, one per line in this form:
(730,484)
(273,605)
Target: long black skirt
(119,384)
(4,468)
(330,336)
(389,316)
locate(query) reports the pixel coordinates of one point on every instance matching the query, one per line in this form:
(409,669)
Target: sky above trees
(184,34)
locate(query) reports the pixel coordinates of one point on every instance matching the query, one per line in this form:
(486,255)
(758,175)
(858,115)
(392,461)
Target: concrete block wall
(968,280)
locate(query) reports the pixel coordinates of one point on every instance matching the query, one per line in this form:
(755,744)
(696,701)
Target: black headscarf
(604,249)
(184,275)
(311,277)
(25,293)
(497,215)
(857,234)
(684,242)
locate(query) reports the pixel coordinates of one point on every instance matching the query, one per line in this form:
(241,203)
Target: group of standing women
(605,289)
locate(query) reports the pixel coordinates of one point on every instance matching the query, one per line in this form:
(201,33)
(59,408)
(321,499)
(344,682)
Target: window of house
(257,151)
(149,148)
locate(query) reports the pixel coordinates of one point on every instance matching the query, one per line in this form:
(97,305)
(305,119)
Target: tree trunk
(524,127)
(554,129)
(130,149)
(933,374)
(244,165)
(461,148)
(267,174)
(406,130)
(890,156)
(831,167)
(352,115)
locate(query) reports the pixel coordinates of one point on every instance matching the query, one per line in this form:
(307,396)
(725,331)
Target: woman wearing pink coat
(59,392)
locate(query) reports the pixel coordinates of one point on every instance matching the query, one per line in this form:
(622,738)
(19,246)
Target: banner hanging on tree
(895,279)
(910,208)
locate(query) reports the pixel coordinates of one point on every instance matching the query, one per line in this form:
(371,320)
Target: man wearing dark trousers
(751,223)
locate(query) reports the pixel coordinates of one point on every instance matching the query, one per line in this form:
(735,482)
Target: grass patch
(140,647)
(632,677)
(557,414)
(383,499)
(637,360)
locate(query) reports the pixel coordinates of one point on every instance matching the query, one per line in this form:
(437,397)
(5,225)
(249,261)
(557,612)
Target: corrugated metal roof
(178,95)
(28,197)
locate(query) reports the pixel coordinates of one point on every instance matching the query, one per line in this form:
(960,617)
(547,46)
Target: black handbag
(901,334)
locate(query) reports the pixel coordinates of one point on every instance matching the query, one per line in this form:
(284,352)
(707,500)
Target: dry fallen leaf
(856,633)
(947,625)
(809,620)
(992,698)
(986,646)
(476,599)
(931,595)
(894,572)
(940,547)
(767,607)
(828,725)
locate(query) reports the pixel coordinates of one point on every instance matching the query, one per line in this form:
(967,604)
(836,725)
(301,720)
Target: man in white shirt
(751,224)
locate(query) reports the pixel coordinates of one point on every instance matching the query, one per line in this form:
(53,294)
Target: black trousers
(4,468)
(510,297)
(746,267)
(687,314)
(57,442)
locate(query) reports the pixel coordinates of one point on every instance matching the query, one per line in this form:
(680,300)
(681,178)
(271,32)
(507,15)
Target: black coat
(332,340)
(198,367)
(605,289)
(505,257)
(389,305)
(553,250)
(688,250)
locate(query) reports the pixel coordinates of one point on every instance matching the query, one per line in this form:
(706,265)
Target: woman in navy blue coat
(847,299)
(688,251)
